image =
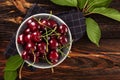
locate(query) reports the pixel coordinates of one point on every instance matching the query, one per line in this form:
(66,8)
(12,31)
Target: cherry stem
(46,40)
(52,70)
(65,46)
(59,49)
(47,60)
(20,71)
(34,58)
(50,15)
(61,52)
(50,32)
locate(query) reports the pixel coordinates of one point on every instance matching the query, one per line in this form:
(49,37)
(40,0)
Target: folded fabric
(74,19)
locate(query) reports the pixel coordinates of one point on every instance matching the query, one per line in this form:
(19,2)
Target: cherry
(20,39)
(42,47)
(27,31)
(52,23)
(63,40)
(33,26)
(62,29)
(28,38)
(25,55)
(53,56)
(30,46)
(30,21)
(44,23)
(53,43)
(36,36)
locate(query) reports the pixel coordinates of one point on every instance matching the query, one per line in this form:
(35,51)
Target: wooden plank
(86,62)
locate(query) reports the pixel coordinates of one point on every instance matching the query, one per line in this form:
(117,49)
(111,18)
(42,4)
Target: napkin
(73,18)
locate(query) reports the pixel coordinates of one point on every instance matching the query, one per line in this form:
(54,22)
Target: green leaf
(13,63)
(108,12)
(65,2)
(10,75)
(93,31)
(98,3)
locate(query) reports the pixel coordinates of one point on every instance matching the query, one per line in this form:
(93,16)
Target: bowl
(44,65)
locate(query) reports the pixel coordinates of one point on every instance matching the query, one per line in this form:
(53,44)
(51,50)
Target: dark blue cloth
(74,19)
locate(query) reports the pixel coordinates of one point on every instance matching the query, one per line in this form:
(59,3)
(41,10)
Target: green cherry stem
(20,71)
(34,58)
(51,32)
(67,45)
(52,70)
(47,60)
(47,40)
(59,50)
(50,15)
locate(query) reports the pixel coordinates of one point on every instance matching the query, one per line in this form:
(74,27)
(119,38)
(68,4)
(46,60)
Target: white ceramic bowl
(59,21)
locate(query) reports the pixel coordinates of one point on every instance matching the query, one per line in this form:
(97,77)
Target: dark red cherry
(63,40)
(44,23)
(36,36)
(28,38)
(30,21)
(20,39)
(42,47)
(53,43)
(30,46)
(27,31)
(52,23)
(33,26)
(63,29)
(25,55)
(53,56)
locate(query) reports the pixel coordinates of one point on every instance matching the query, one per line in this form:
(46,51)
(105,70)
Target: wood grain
(86,62)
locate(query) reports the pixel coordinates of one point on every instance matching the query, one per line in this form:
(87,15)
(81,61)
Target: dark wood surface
(86,62)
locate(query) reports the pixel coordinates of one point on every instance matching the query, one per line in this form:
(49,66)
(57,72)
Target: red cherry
(52,23)
(53,43)
(44,23)
(20,39)
(30,21)
(36,36)
(42,47)
(63,29)
(37,57)
(27,31)
(30,46)
(63,40)
(25,55)
(28,38)
(53,56)
(33,26)
(38,54)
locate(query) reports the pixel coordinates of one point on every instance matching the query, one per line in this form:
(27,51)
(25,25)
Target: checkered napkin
(73,19)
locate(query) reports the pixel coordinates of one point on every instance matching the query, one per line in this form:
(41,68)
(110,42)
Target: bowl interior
(65,50)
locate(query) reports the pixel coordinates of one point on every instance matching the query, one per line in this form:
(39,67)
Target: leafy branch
(13,63)
(92,7)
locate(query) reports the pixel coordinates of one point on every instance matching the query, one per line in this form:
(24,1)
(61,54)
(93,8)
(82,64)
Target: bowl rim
(45,14)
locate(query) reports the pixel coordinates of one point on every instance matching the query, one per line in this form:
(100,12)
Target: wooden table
(86,62)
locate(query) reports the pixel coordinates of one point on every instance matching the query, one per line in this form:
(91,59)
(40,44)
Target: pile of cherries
(43,39)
